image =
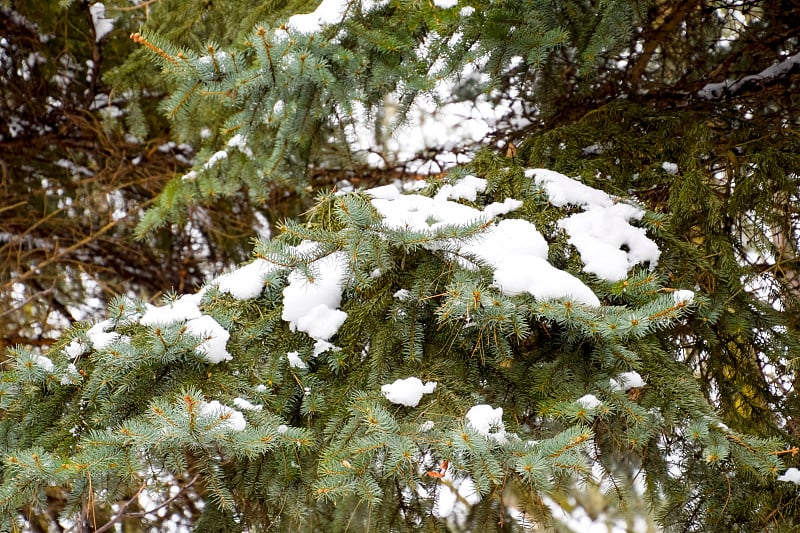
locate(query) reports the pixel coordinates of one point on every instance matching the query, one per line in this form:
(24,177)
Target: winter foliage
(546,277)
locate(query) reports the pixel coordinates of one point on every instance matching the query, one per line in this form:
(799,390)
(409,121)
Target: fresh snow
(466,188)
(669,168)
(45,363)
(627,381)
(589,401)
(515,248)
(407,391)
(328,12)
(488,421)
(608,244)
(215,338)
(295,361)
(792,475)
(184,308)
(241,403)
(99,337)
(75,349)
(311,306)
(230,419)
(245,282)
(683,296)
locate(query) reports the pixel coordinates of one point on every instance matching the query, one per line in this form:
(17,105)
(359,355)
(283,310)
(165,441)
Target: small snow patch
(627,381)
(589,401)
(407,391)
(487,421)
(230,419)
(669,168)
(215,338)
(792,475)
(683,297)
(295,361)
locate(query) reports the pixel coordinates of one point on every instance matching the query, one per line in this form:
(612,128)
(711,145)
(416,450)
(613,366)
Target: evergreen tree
(79,160)
(475,352)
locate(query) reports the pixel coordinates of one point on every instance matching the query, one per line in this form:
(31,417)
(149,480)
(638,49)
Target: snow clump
(407,391)
(627,381)
(792,475)
(607,243)
(487,421)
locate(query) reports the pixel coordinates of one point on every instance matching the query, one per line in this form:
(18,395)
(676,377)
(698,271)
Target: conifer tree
(476,351)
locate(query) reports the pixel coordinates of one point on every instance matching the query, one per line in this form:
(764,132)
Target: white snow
(295,361)
(184,308)
(626,381)
(716,90)
(328,12)
(402,294)
(311,305)
(515,248)
(562,191)
(445,4)
(321,322)
(683,296)
(239,141)
(44,363)
(407,391)
(214,159)
(99,337)
(241,403)
(71,376)
(608,244)
(589,401)
(466,188)
(230,419)
(246,282)
(322,346)
(669,168)
(102,24)
(75,349)
(792,475)
(215,338)
(487,421)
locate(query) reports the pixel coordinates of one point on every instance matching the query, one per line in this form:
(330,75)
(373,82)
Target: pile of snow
(607,243)
(241,403)
(184,308)
(683,296)
(245,282)
(312,306)
(515,248)
(407,391)
(214,337)
(295,361)
(100,337)
(45,363)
